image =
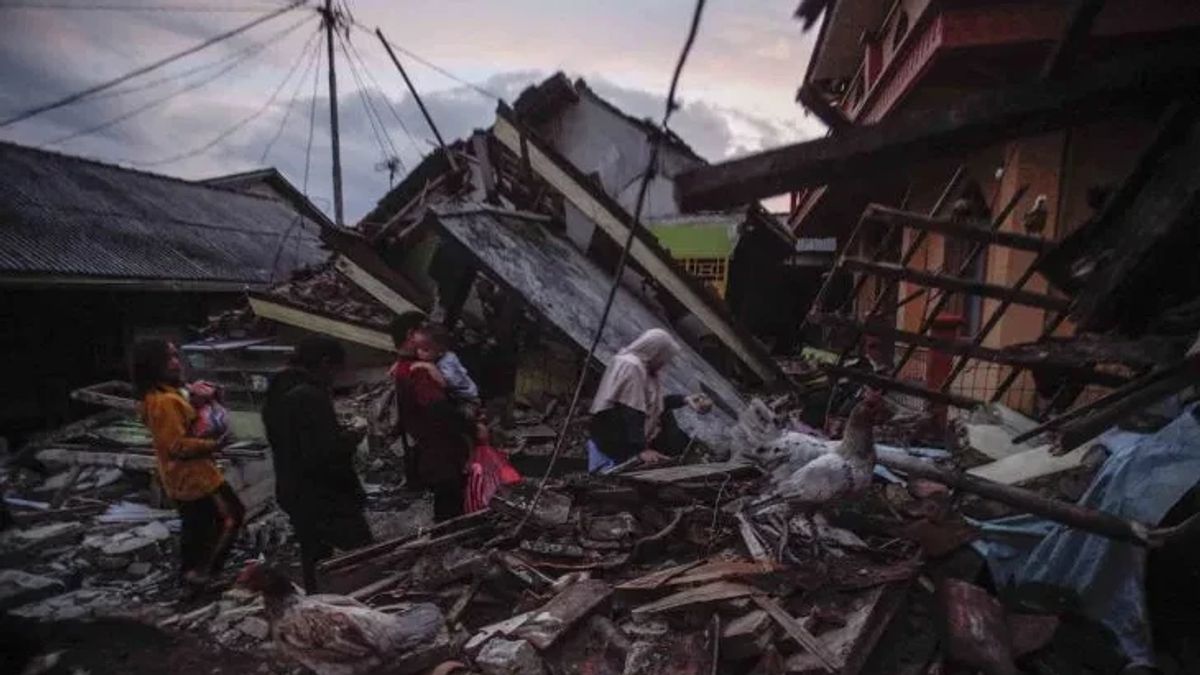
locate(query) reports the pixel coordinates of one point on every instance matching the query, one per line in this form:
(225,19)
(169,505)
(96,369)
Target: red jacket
(431,420)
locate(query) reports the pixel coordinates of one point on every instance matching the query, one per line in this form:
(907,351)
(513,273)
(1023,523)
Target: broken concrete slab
(17,543)
(118,551)
(552,508)
(509,657)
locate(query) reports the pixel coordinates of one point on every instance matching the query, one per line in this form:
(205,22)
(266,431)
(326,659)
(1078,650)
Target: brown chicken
(333,634)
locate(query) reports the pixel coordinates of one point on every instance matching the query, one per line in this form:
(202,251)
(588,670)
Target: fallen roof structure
(647,253)
(569,290)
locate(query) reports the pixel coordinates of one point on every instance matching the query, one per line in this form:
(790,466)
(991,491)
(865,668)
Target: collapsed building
(512,236)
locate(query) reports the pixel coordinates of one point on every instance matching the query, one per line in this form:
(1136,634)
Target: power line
(429,64)
(312,118)
(634,225)
(373,116)
(199,9)
(80,95)
(395,113)
(291,104)
(240,124)
(150,105)
(255,47)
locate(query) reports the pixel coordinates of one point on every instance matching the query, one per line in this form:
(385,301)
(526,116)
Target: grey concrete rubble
(509,657)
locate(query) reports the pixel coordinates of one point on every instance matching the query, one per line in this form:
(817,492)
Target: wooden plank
(569,291)
(754,543)
(982,232)
(612,219)
(851,644)
(558,616)
(724,570)
(373,286)
(799,633)
(655,579)
(690,472)
(308,320)
(353,247)
(888,384)
(975,121)
(956,284)
(714,592)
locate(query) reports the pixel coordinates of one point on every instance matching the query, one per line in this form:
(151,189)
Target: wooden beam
(374,287)
(1079,26)
(354,248)
(612,219)
(276,310)
(982,232)
(887,383)
(956,284)
(975,121)
(811,99)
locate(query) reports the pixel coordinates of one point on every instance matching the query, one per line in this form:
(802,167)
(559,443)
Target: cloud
(736,96)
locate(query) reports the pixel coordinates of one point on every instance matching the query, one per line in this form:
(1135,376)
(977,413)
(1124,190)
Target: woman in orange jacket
(210,511)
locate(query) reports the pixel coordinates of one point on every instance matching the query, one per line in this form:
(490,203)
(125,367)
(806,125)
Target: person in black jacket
(630,415)
(315,481)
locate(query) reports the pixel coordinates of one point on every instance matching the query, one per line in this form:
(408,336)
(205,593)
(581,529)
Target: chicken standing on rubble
(336,635)
(844,473)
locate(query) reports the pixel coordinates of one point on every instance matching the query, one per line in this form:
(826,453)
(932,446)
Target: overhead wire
(95,89)
(433,66)
(253,47)
(195,9)
(312,119)
(162,100)
(287,113)
(634,225)
(240,124)
(382,137)
(395,113)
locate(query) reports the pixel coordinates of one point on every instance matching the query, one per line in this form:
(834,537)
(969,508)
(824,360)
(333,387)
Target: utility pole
(333,117)
(417,97)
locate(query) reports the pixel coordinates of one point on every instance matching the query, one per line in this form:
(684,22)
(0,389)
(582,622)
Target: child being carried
(432,347)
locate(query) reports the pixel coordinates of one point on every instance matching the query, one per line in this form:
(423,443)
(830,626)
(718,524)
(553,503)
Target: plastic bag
(487,470)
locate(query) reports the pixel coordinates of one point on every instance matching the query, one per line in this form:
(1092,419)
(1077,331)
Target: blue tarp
(1143,478)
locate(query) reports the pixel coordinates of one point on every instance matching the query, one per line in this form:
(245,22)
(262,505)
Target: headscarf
(632,377)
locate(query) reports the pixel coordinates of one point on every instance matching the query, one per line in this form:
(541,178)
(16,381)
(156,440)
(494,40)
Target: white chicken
(844,473)
(333,634)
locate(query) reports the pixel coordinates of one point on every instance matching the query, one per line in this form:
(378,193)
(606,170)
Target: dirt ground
(131,648)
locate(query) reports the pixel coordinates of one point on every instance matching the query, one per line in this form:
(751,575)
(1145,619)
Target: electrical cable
(95,89)
(312,118)
(433,66)
(237,126)
(395,113)
(382,138)
(154,103)
(196,9)
(634,224)
(291,104)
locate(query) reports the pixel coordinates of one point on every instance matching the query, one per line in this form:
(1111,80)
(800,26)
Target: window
(713,272)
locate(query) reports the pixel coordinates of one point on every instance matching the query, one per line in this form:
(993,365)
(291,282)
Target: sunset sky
(738,88)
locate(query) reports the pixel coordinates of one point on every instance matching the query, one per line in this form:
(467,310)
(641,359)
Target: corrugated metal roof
(63,215)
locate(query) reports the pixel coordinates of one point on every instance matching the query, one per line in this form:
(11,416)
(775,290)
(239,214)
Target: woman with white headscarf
(629,409)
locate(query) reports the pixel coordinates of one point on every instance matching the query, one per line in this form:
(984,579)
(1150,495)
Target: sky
(247,102)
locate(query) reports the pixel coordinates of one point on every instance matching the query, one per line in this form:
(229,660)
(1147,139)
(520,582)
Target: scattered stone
(255,627)
(618,527)
(18,588)
(138,569)
(509,657)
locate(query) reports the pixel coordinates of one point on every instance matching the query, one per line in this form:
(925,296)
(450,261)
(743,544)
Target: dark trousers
(208,528)
(320,533)
(448,496)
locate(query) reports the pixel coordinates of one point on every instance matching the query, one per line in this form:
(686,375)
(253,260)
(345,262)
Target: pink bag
(487,470)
